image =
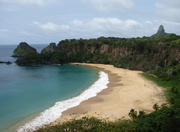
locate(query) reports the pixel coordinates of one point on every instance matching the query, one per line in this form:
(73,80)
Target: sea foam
(55,111)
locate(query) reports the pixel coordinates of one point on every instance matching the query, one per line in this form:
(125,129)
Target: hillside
(135,53)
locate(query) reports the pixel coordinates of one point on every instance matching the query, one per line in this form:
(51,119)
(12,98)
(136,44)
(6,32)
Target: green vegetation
(169,78)
(23,49)
(163,119)
(38,59)
(133,53)
(91,125)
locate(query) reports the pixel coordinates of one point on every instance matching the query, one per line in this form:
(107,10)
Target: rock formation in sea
(5,62)
(23,49)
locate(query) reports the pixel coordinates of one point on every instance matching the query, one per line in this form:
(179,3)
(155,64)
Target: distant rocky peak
(161,29)
(161,32)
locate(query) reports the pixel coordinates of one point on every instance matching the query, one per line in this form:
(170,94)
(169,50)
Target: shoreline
(126,90)
(54,112)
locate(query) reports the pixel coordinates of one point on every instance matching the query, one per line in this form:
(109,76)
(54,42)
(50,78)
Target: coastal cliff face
(23,49)
(49,49)
(141,56)
(136,53)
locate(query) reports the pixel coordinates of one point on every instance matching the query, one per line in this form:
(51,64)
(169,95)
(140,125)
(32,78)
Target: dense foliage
(133,53)
(23,49)
(38,59)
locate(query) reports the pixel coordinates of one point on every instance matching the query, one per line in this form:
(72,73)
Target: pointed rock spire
(161,29)
(161,32)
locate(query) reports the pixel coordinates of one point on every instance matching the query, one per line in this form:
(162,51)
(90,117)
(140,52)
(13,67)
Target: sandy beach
(127,89)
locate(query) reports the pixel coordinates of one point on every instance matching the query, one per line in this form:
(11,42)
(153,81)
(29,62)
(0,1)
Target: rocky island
(23,49)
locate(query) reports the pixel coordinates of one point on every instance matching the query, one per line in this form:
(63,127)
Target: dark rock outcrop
(161,32)
(5,62)
(23,49)
(49,49)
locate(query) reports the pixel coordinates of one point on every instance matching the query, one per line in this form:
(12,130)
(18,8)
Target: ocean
(34,96)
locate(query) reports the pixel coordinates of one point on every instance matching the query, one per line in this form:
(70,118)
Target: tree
(155,107)
(141,114)
(133,114)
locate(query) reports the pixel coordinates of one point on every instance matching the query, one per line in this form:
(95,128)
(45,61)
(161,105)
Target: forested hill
(133,53)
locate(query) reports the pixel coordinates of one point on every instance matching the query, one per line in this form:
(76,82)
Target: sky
(45,21)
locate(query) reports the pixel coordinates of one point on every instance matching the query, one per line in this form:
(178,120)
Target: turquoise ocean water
(27,91)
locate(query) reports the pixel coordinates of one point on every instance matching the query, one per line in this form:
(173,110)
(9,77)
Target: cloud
(4,30)
(106,27)
(26,2)
(51,26)
(148,22)
(29,34)
(95,27)
(169,9)
(111,5)
(77,22)
(112,23)
(114,26)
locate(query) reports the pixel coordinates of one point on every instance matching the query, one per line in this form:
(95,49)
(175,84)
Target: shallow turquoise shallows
(27,91)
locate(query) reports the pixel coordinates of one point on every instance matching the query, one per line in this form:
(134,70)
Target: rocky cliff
(49,49)
(135,53)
